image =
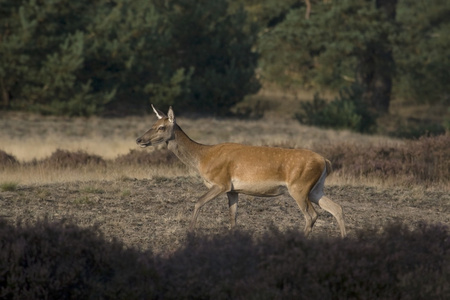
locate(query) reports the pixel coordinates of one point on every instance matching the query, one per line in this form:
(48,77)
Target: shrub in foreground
(397,263)
(60,260)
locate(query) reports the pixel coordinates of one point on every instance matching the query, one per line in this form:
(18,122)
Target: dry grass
(41,150)
(28,136)
(31,138)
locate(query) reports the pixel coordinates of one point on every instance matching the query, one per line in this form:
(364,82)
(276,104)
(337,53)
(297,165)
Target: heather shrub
(426,160)
(428,130)
(284,265)
(419,129)
(139,157)
(68,159)
(212,267)
(62,261)
(7,160)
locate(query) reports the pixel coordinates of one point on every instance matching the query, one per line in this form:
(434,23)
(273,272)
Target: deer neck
(187,150)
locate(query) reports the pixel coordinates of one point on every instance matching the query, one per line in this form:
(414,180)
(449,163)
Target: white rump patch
(317,191)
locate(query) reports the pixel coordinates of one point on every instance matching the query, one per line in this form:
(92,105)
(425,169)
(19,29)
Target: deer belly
(261,189)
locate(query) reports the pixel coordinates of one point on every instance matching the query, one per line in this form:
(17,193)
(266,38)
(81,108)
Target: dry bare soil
(154,214)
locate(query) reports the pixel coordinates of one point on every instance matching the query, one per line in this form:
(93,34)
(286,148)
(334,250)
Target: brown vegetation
(140,157)
(62,261)
(69,159)
(7,160)
(425,161)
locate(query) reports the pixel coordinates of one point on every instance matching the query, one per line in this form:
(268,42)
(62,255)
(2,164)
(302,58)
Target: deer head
(161,131)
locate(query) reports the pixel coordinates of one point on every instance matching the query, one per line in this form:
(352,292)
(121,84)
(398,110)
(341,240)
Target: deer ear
(171,115)
(158,113)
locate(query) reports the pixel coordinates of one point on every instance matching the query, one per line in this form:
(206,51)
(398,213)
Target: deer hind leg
(233,199)
(306,207)
(334,209)
(213,192)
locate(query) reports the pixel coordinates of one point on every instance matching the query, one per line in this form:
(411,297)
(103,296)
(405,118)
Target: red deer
(253,170)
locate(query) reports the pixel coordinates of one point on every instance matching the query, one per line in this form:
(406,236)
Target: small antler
(159,113)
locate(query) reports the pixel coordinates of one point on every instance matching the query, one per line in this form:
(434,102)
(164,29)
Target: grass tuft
(8,186)
(92,190)
(83,200)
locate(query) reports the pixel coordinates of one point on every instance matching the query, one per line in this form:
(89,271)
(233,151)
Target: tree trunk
(376,70)
(308,9)
(5,94)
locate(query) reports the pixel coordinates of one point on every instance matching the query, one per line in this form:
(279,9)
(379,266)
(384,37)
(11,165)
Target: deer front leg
(233,199)
(213,192)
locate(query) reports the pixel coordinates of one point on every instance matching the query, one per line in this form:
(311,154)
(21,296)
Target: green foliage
(215,54)
(380,45)
(315,55)
(79,58)
(345,112)
(44,56)
(336,114)
(84,57)
(422,51)
(60,260)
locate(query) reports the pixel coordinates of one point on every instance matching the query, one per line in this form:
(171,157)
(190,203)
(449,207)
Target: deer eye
(160,128)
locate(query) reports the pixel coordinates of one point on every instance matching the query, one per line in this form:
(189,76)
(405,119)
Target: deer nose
(138,140)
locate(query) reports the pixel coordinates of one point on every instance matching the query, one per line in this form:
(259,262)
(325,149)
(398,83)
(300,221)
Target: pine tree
(79,57)
(15,35)
(422,52)
(215,52)
(341,43)
(44,56)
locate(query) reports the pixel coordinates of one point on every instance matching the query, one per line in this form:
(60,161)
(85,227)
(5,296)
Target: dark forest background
(105,57)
